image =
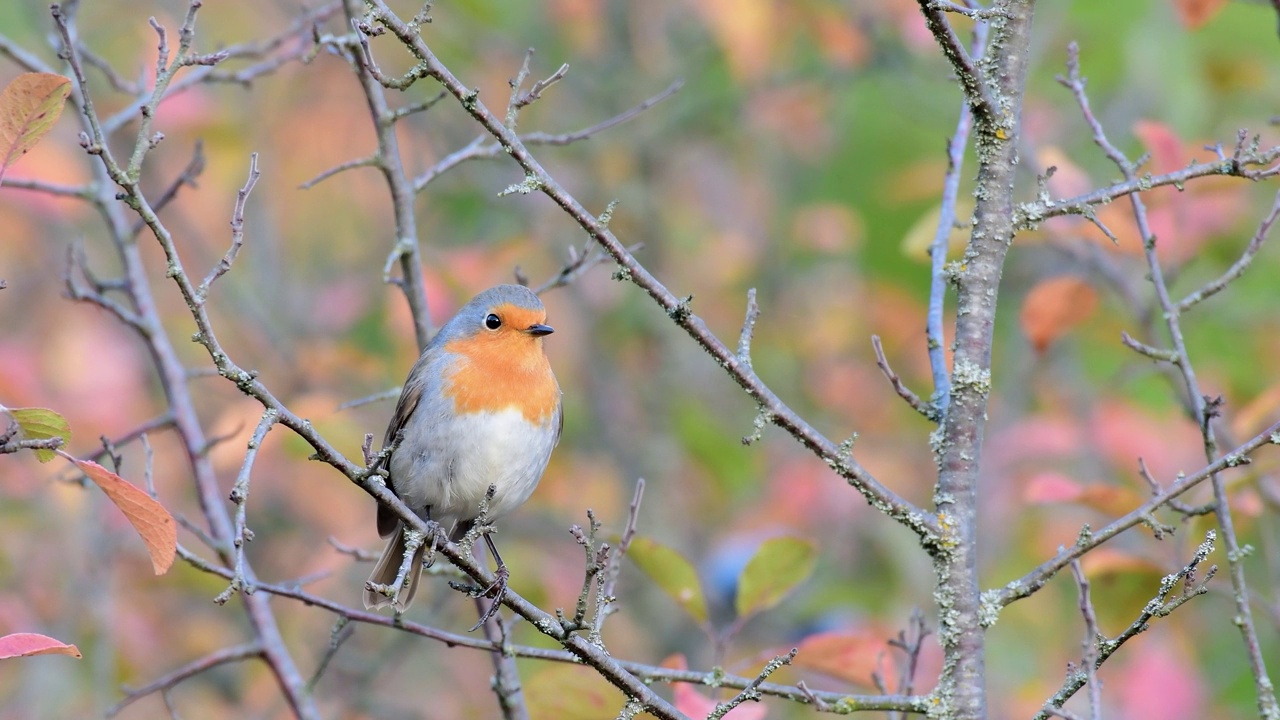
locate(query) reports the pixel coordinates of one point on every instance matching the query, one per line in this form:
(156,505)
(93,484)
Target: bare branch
(1159,606)
(751,691)
(186,177)
(371,161)
(236,653)
(913,703)
(1030,583)
(976,91)
(1237,268)
(237,232)
(477,149)
(240,582)
(899,387)
(1089,656)
(1202,410)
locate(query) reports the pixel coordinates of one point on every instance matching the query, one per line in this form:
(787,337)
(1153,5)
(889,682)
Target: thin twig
(1179,506)
(935,330)
(748,328)
(342,631)
(185,178)
(1089,645)
(976,91)
(1237,268)
(913,703)
(166,682)
(1202,410)
(1031,582)
(406,250)
(1158,607)
(240,582)
(237,232)
(899,387)
(751,691)
(478,149)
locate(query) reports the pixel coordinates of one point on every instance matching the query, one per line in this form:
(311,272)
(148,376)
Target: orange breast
(501,370)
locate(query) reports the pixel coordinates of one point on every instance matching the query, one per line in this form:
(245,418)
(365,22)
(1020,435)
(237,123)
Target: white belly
(449,466)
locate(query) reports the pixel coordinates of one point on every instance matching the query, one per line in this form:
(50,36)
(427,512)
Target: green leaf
(672,573)
(29,106)
(41,424)
(779,565)
(569,692)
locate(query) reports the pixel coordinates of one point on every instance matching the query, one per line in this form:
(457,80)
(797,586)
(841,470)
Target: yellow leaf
(29,106)
(41,424)
(919,239)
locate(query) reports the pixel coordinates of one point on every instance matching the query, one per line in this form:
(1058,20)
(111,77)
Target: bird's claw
(497,591)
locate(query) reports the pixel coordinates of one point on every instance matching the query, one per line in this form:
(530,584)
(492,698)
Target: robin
(480,408)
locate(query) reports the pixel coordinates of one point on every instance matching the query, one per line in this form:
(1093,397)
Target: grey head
(501,308)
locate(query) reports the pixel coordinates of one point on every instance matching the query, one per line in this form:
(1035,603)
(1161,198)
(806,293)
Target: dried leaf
(672,572)
(29,106)
(41,424)
(1194,13)
(779,565)
(1055,306)
(152,521)
(28,644)
(850,656)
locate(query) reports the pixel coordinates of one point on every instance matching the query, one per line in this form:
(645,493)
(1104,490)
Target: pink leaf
(28,644)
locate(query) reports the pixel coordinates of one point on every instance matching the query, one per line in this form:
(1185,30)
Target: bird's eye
(493,322)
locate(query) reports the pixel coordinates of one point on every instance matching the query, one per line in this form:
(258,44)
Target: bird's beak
(539,330)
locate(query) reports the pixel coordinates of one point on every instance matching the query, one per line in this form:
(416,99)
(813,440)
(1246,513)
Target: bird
(480,408)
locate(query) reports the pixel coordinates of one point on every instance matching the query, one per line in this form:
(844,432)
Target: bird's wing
(410,396)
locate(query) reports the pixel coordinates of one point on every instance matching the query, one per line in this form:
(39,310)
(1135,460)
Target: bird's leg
(498,590)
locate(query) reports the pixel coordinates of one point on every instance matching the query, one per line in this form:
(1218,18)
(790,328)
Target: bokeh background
(804,157)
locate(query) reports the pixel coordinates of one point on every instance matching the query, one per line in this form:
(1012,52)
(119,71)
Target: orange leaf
(851,656)
(1054,307)
(154,524)
(1110,499)
(28,644)
(29,106)
(1105,561)
(1194,13)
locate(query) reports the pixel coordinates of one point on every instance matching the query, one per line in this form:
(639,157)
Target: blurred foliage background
(802,157)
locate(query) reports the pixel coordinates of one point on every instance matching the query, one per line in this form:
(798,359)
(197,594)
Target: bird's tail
(384,573)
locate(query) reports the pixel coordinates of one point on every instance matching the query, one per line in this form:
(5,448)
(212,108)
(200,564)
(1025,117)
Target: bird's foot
(497,591)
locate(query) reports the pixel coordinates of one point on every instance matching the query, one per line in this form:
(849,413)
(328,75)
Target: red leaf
(1054,307)
(851,656)
(1194,13)
(154,524)
(28,644)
